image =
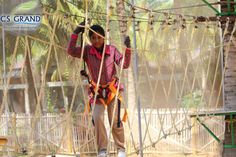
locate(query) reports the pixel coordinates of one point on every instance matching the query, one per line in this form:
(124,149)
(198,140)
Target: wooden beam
(3,140)
(48,84)
(215,18)
(64,155)
(213,113)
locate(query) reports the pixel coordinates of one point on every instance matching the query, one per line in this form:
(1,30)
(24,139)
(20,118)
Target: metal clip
(104,93)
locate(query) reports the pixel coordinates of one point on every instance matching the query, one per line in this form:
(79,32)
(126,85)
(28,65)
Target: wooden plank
(15,86)
(64,155)
(3,140)
(48,84)
(213,113)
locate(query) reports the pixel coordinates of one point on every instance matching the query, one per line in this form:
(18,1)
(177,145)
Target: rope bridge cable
(33,77)
(209,62)
(152,90)
(143,50)
(153,95)
(195,72)
(79,67)
(115,102)
(66,14)
(84,37)
(13,59)
(186,78)
(227,24)
(73,96)
(40,94)
(141,42)
(166,96)
(86,28)
(170,84)
(158,11)
(229,41)
(167,93)
(226,56)
(214,77)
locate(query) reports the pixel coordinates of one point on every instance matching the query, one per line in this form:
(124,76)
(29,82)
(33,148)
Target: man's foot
(102,154)
(121,153)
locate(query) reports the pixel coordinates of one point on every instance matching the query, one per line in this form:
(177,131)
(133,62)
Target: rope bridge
(178,76)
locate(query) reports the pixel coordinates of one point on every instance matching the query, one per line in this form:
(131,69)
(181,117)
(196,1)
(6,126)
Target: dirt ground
(114,155)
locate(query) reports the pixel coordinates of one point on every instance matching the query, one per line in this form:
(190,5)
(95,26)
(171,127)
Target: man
(93,57)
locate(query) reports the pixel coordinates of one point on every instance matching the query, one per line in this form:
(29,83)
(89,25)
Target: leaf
(74,10)
(95,4)
(25,7)
(55,76)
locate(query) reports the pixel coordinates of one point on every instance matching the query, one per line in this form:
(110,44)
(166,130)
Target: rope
(118,86)
(226,56)
(143,50)
(227,25)
(66,14)
(84,37)
(13,59)
(37,111)
(166,91)
(228,48)
(147,123)
(194,78)
(154,11)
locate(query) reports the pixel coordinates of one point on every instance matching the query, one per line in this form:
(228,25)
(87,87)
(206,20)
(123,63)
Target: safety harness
(106,94)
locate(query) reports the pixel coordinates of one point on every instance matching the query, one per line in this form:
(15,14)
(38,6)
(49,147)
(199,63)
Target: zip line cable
(40,95)
(66,14)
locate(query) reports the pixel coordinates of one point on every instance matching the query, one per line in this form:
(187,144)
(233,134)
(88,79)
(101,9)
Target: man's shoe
(102,154)
(121,154)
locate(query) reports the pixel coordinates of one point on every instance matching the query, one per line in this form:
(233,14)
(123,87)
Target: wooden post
(3,142)
(193,136)
(14,131)
(69,134)
(27,105)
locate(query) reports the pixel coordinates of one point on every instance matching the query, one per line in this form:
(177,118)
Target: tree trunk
(229,76)
(229,64)
(131,96)
(129,73)
(122,19)
(29,81)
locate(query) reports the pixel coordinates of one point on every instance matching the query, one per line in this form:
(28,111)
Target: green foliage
(50,106)
(153,41)
(55,75)
(25,7)
(193,100)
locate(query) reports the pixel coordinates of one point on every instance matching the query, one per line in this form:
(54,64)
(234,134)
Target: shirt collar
(97,54)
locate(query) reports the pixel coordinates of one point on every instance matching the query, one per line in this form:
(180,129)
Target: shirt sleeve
(73,50)
(127,59)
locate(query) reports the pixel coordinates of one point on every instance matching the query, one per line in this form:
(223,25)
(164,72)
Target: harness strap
(118,119)
(109,98)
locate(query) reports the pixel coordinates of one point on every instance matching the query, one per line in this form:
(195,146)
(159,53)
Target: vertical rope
(38,111)
(13,59)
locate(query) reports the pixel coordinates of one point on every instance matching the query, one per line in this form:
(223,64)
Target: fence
(163,131)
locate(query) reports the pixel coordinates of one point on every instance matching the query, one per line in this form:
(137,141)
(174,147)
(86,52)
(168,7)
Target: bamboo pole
(3,141)
(135,62)
(69,134)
